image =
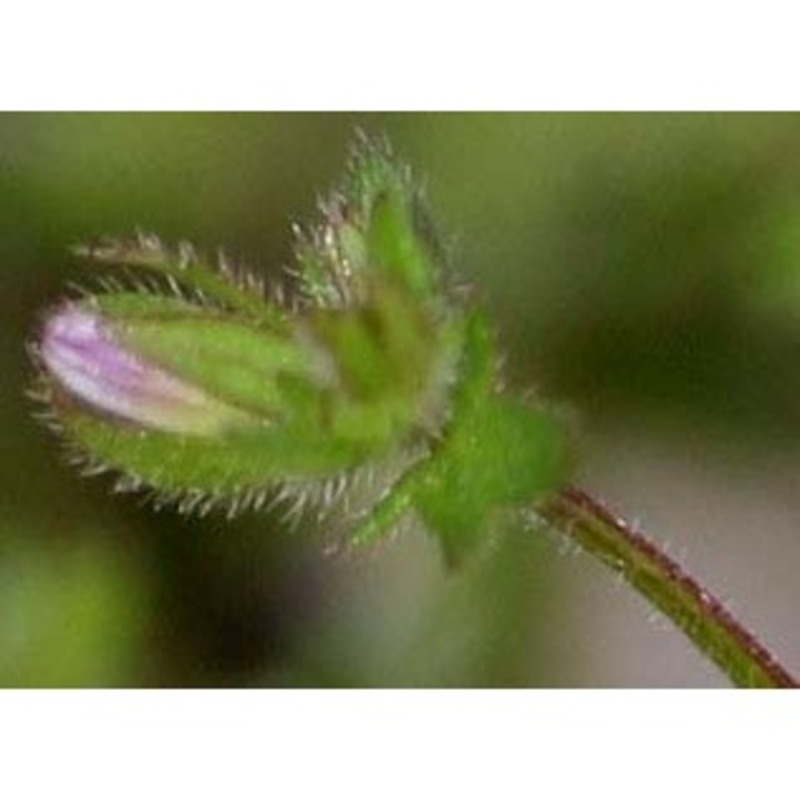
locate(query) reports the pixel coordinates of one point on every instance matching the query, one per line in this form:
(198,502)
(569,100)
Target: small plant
(371,368)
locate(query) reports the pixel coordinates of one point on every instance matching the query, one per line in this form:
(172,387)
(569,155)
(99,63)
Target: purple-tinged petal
(79,351)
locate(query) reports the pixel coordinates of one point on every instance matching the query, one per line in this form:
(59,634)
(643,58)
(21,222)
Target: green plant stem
(703,618)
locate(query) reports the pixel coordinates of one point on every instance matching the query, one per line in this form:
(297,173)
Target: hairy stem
(703,618)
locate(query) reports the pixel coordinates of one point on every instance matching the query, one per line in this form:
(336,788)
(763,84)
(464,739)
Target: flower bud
(207,391)
(197,401)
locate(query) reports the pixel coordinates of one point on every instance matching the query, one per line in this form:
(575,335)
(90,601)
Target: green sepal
(495,452)
(376,227)
(185,268)
(506,454)
(230,357)
(238,461)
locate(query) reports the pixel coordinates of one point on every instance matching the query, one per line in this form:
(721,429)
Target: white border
(399,743)
(344,55)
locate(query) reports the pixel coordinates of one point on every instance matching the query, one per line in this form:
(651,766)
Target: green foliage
(70,616)
(217,394)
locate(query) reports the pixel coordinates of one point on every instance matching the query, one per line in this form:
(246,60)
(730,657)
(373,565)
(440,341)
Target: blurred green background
(643,270)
